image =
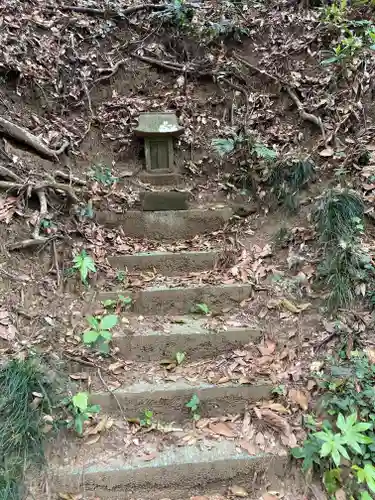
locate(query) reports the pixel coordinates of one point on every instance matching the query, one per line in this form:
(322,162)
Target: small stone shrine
(158,130)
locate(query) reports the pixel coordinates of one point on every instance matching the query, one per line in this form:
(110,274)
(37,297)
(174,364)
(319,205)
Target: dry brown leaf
(370,354)
(7,332)
(299,397)
(93,440)
(275,407)
(267,348)
(289,306)
(268,496)
(326,153)
(340,494)
(222,429)
(274,420)
(251,448)
(238,491)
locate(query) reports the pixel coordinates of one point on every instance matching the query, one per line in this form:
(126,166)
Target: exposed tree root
(70,178)
(172,66)
(28,243)
(303,114)
(5,172)
(22,135)
(111,71)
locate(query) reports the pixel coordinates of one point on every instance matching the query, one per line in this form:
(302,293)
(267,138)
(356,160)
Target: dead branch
(243,91)
(171,66)
(22,135)
(112,71)
(28,243)
(70,178)
(42,212)
(5,172)
(303,114)
(108,13)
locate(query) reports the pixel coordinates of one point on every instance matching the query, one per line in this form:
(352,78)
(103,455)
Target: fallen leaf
(289,306)
(93,440)
(7,332)
(267,348)
(251,448)
(340,494)
(238,491)
(370,354)
(268,496)
(222,429)
(273,420)
(327,152)
(275,407)
(79,376)
(300,398)
(149,456)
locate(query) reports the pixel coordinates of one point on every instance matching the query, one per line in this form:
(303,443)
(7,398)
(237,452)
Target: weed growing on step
(342,447)
(99,336)
(194,407)
(26,397)
(120,276)
(83,264)
(147,418)
(122,303)
(80,410)
(176,15)
(180,357)
(201,308)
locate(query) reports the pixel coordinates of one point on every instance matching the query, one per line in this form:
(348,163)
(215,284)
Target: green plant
(263,152)
(146,420)
(342,447)
(180,357)
(279,390)
(336,215)
(201,308)
(176,14)
(346,49)
(225,29)
(99,335)
(194,407)
(84,264)
(335,12)
(121,302)
(120,276)
(81,411)
(288,178)
(26,398)
(103,175)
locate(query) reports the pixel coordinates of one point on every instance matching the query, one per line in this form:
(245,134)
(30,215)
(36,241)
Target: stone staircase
(144,466)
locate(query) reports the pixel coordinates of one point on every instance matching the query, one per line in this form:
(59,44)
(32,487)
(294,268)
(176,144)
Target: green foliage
(336,12)
(344,447)
(84,264)
(26,396)
(225,29)
(121,302)
(147,417)
(346,267)
(176,14)
(345,50)
(99,335)
(180,357)
(120,276)
(337,214)
(223,147)
(80,409)
(264,153)
(103,175)
(201,308)
(288,178)
(194,407)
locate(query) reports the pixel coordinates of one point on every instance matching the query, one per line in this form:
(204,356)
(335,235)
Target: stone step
(145,342)
(161,179)
(167,400)
(166,263)
(168,225)
(167,471)
(164,200)
(165,300)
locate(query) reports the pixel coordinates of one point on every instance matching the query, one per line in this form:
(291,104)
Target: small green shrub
(78,406)
(201,308)
(342,447)
(121,302)
(177,14)
(147,418)
(103,175)
(194,407)
(99,336)
(83,264)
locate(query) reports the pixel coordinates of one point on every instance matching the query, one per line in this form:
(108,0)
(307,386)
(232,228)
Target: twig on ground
(111,71)
(303,114)
(243,91)
(22,135)
(70,178)
(325,341)
(172,66)
(106,12)
(111,392)
(5,172)
(56,263)
(42,212)
(79,360)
